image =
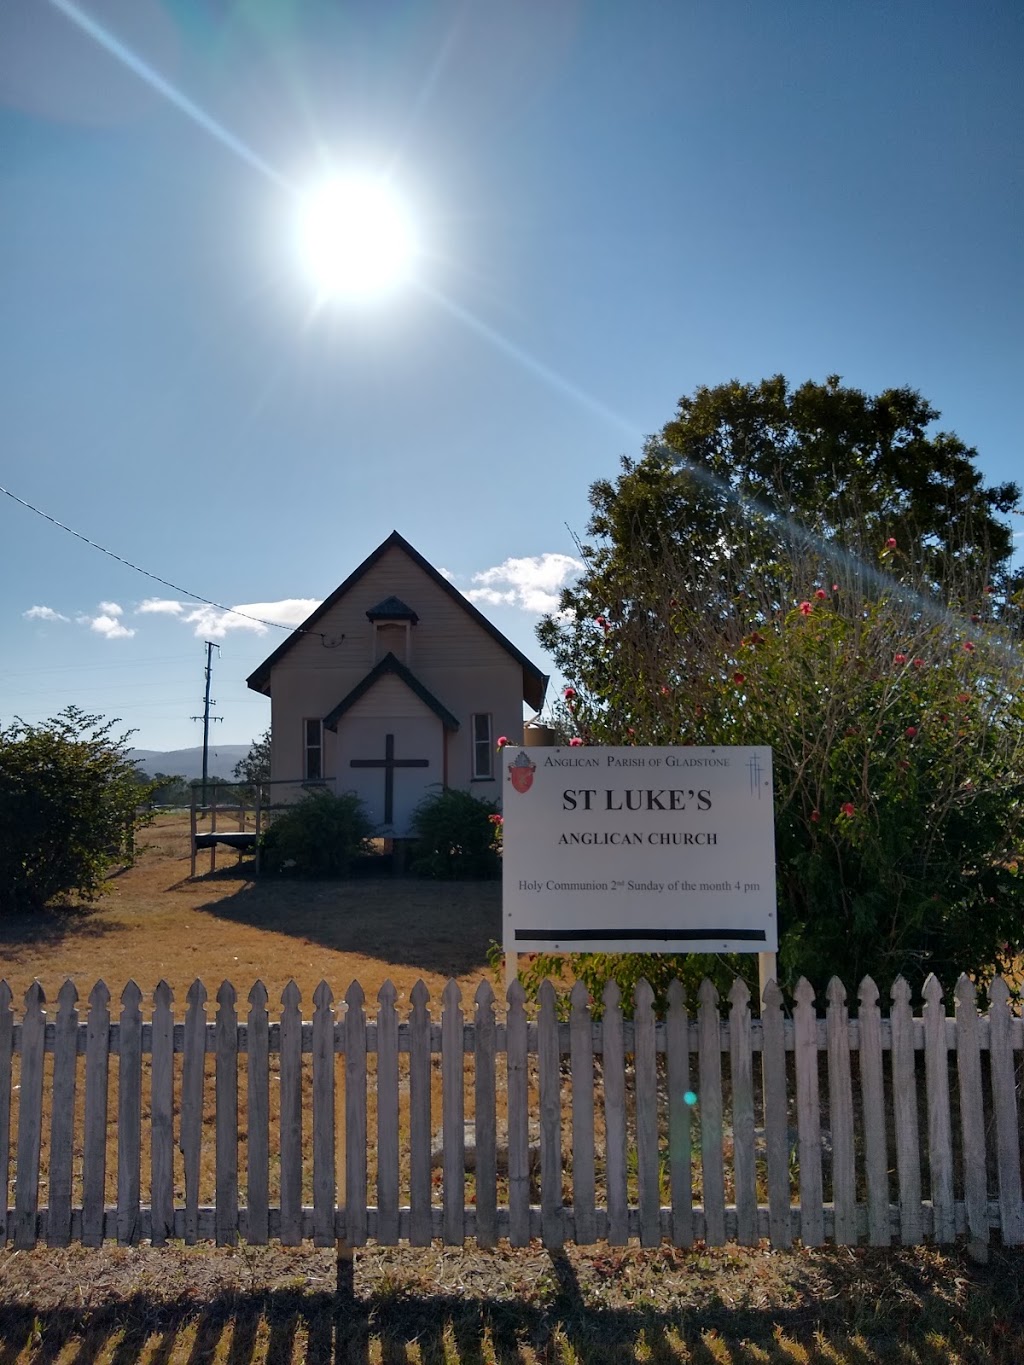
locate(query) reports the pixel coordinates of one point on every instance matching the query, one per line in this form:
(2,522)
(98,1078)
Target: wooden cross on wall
(389,763)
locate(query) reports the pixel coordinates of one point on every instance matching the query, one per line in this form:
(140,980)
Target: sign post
(631,850)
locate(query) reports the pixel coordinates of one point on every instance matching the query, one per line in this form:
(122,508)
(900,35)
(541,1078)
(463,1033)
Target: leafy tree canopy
(810,570)
(69,802)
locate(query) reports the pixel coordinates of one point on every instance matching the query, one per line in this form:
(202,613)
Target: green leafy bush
(69,805)
(455,838)
(319,836)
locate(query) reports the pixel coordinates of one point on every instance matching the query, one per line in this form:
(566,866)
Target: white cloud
(532,583)
(447,573)
(111,609)
(162,606)
(43,614)
(107,625)
(215,622)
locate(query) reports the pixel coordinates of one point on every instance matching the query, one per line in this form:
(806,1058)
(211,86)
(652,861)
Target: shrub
(69,799)
(318,836)
(455,838)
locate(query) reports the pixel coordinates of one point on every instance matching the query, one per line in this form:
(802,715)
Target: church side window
(483,747)
(313,762)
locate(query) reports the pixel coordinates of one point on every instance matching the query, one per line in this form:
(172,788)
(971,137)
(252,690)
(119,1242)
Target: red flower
(630,730)
(602,621)
(569,693)
(575,742)
(989,589)
(968,647)
(820,594)
(963,696)
(502,741)
(496,819)
(848,809)
(815,816)
(738,678)
(805,608)
(890,544)
(910,731)
(899,658)
(919,663)
(835,587)
(664,690)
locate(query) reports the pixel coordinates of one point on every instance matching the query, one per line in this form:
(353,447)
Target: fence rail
(691,1126)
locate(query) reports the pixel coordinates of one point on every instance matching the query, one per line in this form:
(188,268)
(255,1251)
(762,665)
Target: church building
(395,687)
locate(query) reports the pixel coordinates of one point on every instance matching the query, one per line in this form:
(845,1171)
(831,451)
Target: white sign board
(667,850)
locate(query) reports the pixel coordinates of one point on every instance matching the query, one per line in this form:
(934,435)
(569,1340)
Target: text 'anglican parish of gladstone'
(639,850)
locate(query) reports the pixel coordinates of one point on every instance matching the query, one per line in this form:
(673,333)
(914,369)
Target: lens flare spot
(690,1097)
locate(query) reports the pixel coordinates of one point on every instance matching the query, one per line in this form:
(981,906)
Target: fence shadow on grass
(556,1321)
(442,927)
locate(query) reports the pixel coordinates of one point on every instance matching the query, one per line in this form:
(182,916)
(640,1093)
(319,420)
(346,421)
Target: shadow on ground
(843,1308)
(442,927)
(50,927)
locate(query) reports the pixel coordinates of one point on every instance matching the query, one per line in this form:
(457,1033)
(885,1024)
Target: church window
(313,751)
(483,747)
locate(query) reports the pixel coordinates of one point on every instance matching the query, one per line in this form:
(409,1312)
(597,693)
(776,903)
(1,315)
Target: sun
(355,237)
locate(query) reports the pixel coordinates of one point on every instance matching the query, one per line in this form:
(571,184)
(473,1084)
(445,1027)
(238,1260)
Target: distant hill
(188,763)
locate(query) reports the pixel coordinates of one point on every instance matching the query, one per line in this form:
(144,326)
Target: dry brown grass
(227,925)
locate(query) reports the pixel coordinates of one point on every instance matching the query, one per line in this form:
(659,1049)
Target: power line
(206,601)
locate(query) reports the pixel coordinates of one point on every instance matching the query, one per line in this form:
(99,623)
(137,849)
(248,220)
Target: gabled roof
(534,681)
(392,609)
(389,664)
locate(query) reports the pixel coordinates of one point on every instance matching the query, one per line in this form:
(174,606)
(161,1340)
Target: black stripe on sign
(652,935)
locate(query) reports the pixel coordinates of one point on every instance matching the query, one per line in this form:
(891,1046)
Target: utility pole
(206,717)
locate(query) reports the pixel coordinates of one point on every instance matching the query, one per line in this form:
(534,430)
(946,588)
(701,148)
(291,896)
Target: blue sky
(613,203)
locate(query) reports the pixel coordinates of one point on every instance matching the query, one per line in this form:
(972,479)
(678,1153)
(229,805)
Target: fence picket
(291,1116)
(904,1105)
(940,1133)
(6,1066)
(518,1117)
(709,1036)
(62,1118)
(776,1118)
(387,1115)
(872,1093)
(94,1139)
(484,1117)
(613,1063)
(680,1098)
(419,1118)
(161,1108)
(840,1108)
(129,1116)
(453,1118)
(645,1068)
(355,1116)
(324,1181)
(808,1115)
(226,1102)
(972,1109)
(193,1075)
(742,1080)
(30,1118)
(550,1084)
(257,1140)
(1004,1097)
(581,1054)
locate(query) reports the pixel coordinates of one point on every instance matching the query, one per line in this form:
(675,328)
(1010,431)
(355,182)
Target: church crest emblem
(520,772)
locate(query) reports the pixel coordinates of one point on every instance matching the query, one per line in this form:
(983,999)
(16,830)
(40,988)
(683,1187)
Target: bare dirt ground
(245,1306)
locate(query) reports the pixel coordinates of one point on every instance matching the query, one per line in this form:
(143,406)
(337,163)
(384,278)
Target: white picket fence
(689,1127)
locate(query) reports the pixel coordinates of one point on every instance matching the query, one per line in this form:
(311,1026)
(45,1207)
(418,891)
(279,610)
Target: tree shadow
(51,926)
(441,927)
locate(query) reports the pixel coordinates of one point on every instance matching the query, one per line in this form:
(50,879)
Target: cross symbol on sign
(389,763)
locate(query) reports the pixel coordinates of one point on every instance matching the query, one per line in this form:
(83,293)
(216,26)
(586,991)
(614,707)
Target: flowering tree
(888,687)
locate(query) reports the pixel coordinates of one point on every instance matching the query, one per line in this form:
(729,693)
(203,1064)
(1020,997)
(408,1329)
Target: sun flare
(355,237)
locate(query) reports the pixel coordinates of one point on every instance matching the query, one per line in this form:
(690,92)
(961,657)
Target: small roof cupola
(392,609)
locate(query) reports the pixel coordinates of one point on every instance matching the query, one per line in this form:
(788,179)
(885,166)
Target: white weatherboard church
(395,687)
